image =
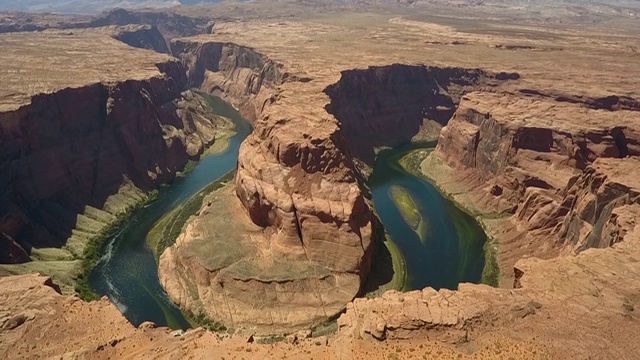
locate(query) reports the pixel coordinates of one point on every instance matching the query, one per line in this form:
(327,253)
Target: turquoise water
(127,271)
(447,250)
(450,248)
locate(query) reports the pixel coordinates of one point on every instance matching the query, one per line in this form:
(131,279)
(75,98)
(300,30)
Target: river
(441,245)
(127,272)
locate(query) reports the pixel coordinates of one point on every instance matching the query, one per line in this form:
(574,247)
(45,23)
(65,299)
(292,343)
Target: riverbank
(68,266)
(127,271)
(166,230)
(441,245)
(422,163)
(380,280)
(92,251)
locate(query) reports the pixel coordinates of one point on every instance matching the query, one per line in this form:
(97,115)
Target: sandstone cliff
(141,36)
(296,183)
(69,149)
(387,106)
(536,165)
(301,178)
(558,301)
(170,24)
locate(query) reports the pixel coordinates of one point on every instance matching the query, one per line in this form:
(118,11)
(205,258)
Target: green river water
(441,245)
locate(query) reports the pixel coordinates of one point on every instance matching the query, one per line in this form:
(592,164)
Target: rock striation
(387,106)
(140,36)
(555,301)
(541,166)
(65,149)
(298,185)
(301,180)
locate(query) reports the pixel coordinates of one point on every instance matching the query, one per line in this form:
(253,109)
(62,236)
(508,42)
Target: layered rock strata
(568,297)
(297,183)
(301,179)
(141,36)
(71,148)
(536,165)
(387,106)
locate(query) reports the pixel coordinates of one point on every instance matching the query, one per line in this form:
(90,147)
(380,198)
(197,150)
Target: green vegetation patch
(271,339)
(410,212)
(92,251)
(329,327)
(379,280)
(491,271)
(412,161)
(407,207)
(201,320)
(399,266)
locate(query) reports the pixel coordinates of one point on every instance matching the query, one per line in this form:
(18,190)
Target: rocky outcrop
(75,147)
(386,106)
(539,165)
(141,36)
(567,297)
(170,24)
(234,272)
(593,204)
(242,76)
(301,179)
(298,185)
(12,252)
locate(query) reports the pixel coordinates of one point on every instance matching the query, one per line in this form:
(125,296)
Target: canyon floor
(562,302)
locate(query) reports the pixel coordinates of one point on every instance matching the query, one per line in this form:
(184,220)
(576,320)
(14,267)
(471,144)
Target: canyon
(535,138)
(61,133)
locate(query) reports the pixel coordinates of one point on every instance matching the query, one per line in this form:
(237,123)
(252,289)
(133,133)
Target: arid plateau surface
(537,125)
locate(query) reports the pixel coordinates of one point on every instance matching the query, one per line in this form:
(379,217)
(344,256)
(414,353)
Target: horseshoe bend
(322,180)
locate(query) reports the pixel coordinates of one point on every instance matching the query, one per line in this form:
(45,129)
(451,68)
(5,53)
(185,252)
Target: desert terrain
(537,114)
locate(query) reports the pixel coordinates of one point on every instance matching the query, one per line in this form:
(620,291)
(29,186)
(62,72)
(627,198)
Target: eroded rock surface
(548,164)
(387,106)
(67,146)
(296,183)
(567,307)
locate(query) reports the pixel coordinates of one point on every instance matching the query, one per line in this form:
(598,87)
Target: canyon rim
(536,138)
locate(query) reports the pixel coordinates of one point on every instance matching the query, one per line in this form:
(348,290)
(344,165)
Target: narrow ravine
(442,245)
(127,271)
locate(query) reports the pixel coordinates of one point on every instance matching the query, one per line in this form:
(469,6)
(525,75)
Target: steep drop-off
(141,36)
(300,180)
(563,169)
(387,106)
(70,150)
(536,164)
(298,185)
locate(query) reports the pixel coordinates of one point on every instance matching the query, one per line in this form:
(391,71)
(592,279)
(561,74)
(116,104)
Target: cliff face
(239,74)
(591,291)
(141,36)
(537,166)
(297,183)
(170,24)
(387,106)
(75,147)
(594,205)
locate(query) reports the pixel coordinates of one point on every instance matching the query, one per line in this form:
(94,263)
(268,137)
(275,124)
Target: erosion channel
(127,271)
